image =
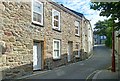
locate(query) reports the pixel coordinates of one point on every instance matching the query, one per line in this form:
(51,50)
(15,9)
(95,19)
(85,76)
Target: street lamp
(113,49)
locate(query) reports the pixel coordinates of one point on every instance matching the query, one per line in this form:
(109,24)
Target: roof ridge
(66,8)
(77,13)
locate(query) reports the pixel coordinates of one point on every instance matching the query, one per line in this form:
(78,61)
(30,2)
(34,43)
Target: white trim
(53,10)
(35,22)
(57,57)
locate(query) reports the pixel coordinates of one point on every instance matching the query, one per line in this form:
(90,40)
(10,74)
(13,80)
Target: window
(56,49)
(77,28)
(37,12)
(56,19)
(77,55)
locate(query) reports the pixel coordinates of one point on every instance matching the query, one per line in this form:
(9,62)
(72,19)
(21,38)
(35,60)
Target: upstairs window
(77,28)
(37,12)
(56,19)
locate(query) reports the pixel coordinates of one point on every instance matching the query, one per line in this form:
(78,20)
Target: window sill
(56,59)
(77,57)
(77,35)
(56,30)
(37,24)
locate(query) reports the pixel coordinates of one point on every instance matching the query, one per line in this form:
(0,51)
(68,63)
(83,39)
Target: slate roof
(67,9)
(77,13)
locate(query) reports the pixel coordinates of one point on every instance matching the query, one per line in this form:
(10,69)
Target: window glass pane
(76,53)
(56,17)
(37,17)
(76,26)
(56,13)
(56,53)
(37,7)
(56,23)
(76,23)
(56,45)
(34,16)
(76,31)
(77,46)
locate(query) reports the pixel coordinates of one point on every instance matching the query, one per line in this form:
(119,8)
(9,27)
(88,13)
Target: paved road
(101,59)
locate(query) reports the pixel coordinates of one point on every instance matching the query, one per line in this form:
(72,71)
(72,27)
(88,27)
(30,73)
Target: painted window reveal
(37,12)
(56,19)
(56,49)
(77,28)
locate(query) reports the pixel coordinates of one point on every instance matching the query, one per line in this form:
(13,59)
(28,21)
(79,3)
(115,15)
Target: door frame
(40,53)
(69,50)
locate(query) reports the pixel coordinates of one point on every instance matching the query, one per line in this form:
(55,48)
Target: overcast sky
(82,6)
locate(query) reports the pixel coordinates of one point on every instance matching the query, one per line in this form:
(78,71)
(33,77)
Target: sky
(83,6)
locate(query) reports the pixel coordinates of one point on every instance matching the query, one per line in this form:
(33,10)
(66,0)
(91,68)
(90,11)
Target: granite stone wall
(18,33)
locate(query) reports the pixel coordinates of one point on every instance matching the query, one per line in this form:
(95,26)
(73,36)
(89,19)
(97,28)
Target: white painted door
(69,51)
(37,56)
(79,51)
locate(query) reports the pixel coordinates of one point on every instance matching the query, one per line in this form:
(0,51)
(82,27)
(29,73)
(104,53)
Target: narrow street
(101,59)
(59,39)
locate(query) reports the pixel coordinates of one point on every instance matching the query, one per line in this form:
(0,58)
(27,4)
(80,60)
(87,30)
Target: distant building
(99,39)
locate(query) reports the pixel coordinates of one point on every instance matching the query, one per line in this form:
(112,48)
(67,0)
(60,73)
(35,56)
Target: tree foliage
(111,10)
(104,28)
(108,9)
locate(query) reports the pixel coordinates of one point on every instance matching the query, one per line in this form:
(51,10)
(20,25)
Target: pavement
(106,74)
(99,75)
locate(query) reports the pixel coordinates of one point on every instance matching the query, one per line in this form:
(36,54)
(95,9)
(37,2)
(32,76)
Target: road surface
(101,59)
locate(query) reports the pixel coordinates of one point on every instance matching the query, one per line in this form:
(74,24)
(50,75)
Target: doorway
(70,50)
(37,55)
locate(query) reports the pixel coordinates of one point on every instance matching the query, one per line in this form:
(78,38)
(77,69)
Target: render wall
(117,50)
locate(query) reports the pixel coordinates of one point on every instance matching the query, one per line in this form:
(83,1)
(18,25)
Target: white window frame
(78,52)
(77,26)
(55,56)
(41,13)
(54,27)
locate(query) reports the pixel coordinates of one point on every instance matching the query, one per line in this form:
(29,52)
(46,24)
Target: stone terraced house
(40,35)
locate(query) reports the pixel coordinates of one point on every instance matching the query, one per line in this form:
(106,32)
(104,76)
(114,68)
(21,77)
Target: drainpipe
(113,51)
